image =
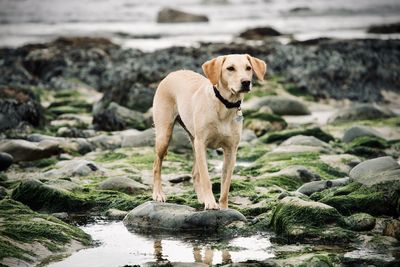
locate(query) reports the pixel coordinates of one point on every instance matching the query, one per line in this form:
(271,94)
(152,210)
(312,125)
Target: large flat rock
(166,217)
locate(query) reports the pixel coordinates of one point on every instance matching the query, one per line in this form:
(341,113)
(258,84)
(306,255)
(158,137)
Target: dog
(209,110)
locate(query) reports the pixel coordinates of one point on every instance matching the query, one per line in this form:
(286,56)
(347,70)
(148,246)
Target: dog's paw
(211,205)
(159,196)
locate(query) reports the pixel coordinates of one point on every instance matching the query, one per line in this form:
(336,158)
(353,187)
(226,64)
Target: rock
(22,150)
(262,123)
(283,135)
(303,140)
(296,172)
(317,186)
(106,141)
(180,179)
(169,15)
(39,196)
(115,214)
(385,28)
(280,105)
(361,112)
(392,228)
(376,171)
(359,131)
(156,216)
(122,184)
(359,222)
(248,135)
(74,167)
(64,184)
(29,238)
(259,33)
(299,219)
(116,117)
(60,215)
(301,9)
(3,192)
(5,161)
(19,105)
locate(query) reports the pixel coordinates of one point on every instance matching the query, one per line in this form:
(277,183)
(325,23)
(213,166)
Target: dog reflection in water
(197,254)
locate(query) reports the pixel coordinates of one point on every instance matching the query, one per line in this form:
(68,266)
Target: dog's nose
(246,85)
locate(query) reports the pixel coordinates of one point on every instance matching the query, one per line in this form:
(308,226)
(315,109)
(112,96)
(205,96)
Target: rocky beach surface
(318,165)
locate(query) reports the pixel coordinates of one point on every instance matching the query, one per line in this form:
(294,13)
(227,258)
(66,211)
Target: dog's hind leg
(164,118)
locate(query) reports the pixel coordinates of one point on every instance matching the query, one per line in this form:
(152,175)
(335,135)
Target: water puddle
(119,247)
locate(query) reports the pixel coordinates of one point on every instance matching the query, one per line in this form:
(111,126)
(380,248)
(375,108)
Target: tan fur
(211,125)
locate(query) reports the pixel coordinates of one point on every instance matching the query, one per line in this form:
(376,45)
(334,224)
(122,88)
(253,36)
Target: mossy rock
(367,146)
(298,219)
(39,196)
(262,122)
(20,226)
(380,199)
(283,135)
(359,222)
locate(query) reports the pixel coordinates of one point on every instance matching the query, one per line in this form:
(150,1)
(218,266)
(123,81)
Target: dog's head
(234,72)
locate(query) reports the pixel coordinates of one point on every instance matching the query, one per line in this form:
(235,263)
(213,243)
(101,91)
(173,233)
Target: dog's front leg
(227,170)
(204,181)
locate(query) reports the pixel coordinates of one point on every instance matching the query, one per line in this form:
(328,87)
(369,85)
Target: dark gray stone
(5,161)
(281,105)
(359,131)
(157,216)
(317,186)
(22,150)
(122,184)
(361,112)
(169,15)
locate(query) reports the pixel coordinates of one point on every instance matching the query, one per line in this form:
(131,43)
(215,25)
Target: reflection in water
(120,247)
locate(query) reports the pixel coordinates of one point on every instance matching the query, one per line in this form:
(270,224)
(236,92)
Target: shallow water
(132,23)
(120,247)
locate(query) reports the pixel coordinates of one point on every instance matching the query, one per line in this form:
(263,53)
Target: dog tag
(239,115)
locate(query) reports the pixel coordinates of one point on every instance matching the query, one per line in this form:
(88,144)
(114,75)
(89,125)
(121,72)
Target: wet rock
(317,186)
(361,112)
(116,117)
(5,161)
(385,28)
(156,216)
(283,135)
(259,33)
(122,184)
(70,168)
(392,228)
(106,141)
(169,15)
(299,219)
(28,237)
(359,131)
(280,105)
(376,171)
(19,105)
(39,196)
(115,214)
(359,222)
(180,179)
(22,150)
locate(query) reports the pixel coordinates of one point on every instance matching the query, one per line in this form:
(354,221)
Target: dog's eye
(231,68)
(248,68)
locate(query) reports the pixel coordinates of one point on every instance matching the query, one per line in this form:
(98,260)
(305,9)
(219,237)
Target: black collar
(226,102)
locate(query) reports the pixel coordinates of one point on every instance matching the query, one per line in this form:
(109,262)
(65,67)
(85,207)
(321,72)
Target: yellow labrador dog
(209,110)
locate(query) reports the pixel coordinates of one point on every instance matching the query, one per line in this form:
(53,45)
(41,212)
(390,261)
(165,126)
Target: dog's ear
(212,69)
(259,67)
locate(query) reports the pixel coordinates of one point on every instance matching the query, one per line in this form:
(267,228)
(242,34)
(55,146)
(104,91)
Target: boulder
(280,105)
(261,122)
(304,140)
(115,117)
(392,228)
(169,15)
(5,161)
(298,219)
(68,168)
(361,112)
(39,196)
(115,214)
(157,216)
(259,33)
(22,150)
(19,105)
(317,186)
(359,222)
(359,131)
(122,184)
(376,171)
(105,141)
(385,28)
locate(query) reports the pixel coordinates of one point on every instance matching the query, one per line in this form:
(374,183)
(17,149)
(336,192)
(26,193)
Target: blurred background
(133,23)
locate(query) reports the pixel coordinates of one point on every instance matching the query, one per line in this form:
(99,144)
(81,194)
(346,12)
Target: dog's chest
(225,133)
